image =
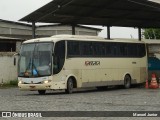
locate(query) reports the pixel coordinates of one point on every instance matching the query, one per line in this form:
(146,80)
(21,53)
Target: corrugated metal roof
(50,25)
(13,22)
(10,38)
(127,13)
(58,25)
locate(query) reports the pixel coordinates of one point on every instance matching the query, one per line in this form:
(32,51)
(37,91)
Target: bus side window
(86,49)
(73,49)
(98,49)
(59,57)
(141,50)
(111,49)
(122,51)
(108,50)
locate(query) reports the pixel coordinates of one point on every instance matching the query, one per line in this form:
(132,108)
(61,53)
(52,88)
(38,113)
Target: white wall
(18,46)
(7,69)
(13,28)
(64,29)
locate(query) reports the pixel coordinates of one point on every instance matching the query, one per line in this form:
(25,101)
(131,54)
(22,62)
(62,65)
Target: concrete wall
(18,46)
(12,29)
(8,71)
(65,29)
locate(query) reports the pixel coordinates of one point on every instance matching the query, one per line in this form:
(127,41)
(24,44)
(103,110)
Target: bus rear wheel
(41,92)
(127,81)
(69,89)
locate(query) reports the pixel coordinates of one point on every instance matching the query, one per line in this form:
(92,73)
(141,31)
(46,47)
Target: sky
(13,10)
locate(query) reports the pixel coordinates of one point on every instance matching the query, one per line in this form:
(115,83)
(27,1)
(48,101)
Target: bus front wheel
(127,81)
(41,92)
(69,89)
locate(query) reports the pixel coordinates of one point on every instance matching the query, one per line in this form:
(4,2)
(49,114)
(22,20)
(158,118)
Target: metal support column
(73,30)
(108,32)
(139,34)
(33,30)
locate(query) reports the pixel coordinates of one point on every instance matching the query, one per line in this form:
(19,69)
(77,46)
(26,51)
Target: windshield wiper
(31,66)
(34,70)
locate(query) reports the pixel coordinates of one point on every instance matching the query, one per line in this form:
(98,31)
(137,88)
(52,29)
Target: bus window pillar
(108,32)
(139,34)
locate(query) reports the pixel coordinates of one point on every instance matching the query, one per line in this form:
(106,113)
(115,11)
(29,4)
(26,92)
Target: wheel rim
(70,86)
(127,82)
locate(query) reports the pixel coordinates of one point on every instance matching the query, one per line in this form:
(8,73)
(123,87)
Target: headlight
(46,81)
(20,82)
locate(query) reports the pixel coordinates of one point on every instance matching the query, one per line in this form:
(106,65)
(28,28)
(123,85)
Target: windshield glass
(35,60)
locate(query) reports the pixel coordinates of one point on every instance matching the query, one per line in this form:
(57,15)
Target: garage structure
(8,68)
(49,30)
(123,13)
(126,13)
(12,34)
(24,31)
(9,44)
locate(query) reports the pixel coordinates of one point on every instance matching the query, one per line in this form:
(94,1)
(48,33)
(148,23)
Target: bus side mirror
(16,54)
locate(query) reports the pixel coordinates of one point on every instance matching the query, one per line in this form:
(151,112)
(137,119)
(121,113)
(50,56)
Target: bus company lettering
(92,63)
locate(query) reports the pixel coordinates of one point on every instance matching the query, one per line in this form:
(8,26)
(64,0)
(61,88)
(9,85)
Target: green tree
(151,33)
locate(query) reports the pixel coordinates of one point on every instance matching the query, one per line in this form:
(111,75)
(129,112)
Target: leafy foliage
(11,83)
(151,33)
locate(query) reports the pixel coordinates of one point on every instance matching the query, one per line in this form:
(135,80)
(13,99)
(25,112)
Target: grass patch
(11,83)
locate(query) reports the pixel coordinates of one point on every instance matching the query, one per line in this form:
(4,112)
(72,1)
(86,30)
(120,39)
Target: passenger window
(108,49)
(141,50)
(122,50)
(99,49)
(86,49)
(132,50)
(73,49)
(114,49)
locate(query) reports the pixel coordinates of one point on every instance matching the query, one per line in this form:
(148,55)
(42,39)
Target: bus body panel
(90,72)
(106,71)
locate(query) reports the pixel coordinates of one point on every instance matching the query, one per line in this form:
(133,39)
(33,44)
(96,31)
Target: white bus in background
(69,61)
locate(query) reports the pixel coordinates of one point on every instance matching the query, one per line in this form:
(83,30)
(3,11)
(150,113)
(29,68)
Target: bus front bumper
(34,87)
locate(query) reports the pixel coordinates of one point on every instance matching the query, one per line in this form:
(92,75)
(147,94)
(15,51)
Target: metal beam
(33,30)
(139,34)
(73,30)
(108,32)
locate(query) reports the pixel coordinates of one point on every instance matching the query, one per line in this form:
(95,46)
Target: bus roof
(56,38)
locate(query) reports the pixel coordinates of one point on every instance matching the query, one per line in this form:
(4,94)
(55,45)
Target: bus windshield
(35,60)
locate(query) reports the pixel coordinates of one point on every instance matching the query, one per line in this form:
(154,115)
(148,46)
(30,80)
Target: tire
(102,88)
(69,89)
(127,82)
(42,92)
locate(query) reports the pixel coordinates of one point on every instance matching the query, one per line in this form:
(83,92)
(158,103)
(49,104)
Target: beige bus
(70,61)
